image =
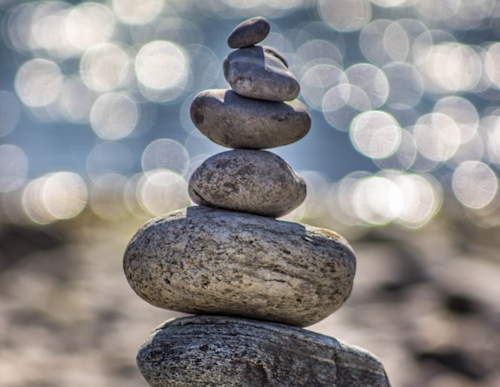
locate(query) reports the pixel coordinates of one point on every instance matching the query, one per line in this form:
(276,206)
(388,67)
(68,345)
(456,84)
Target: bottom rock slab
(230,351)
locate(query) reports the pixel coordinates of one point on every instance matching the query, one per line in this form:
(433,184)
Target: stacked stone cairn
(252,281)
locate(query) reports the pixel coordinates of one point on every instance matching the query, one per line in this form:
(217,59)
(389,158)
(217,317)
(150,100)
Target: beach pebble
(256,72)
(254,181)
(205,260)
(225,351)
(249,32)
(238,122)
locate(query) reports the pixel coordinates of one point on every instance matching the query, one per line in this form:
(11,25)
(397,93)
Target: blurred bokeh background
(403,159)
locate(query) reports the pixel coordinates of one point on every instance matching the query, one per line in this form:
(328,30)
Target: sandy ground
(425,302)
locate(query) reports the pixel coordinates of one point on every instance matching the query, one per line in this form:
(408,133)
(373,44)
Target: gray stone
(255,72)
(238,122)
(249,32)
(204,260)
(273,51)
(225,351)
(254,181)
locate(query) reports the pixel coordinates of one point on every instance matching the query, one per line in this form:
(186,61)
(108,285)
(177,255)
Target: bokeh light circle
(377,200)
(342,103)
(317,80)
(137,12)
(38,82)
(345,15)
(161,65)
(114,116)
(55,196)
(437,136)
(165,154)
(160,191)
(89,24)
(474,184)
(13,167)
(463,112)
(10,112)
(371,80)
(375,134)
(422,199)
(105,67)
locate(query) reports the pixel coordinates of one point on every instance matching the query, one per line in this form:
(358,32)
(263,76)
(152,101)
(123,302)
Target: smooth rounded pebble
(238,122)
(204,260)
(254,181)
(225,351)
(249,32)
(257,72)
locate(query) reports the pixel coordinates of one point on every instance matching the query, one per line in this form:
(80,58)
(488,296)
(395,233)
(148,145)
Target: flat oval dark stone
(205,260)
(224,351)
(249,32)
(254,181)
(260,73)
(238,122)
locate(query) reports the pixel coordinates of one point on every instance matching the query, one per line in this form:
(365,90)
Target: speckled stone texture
(255,72)
(204,260)
(258,182)
(224,351)
(238,122)
(249,32)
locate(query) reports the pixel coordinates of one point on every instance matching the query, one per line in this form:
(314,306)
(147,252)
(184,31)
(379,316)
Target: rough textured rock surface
(204,260)
(258,182)
(249,32)
(225,351)
(260,73)
(238,122)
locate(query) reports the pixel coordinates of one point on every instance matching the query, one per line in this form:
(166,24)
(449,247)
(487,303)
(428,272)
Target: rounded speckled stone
(254,181)
(238,122)
(249,32)
(224,351)
(205,260)
(257,72)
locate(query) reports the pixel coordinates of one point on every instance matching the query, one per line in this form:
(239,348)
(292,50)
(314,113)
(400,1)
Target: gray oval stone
(254,181)
(255,72)
(205,260)
(238,122)
(225,351)
(249,32)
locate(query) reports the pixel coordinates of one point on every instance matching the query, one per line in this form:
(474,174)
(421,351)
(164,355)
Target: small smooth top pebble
(238,122)
(257,72)
(258,182)
(224,351)
(249,32)
(205,260)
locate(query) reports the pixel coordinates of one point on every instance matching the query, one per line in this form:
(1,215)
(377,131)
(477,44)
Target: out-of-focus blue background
(403,159)
(403,93)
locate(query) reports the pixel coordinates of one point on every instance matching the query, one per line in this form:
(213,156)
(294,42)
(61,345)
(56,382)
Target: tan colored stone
(205,260)
(253,181)
(238,122)
(258,72)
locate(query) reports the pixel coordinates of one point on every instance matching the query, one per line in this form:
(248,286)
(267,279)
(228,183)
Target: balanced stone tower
(252,281)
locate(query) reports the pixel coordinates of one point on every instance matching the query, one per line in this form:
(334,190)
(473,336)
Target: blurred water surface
(403,94)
